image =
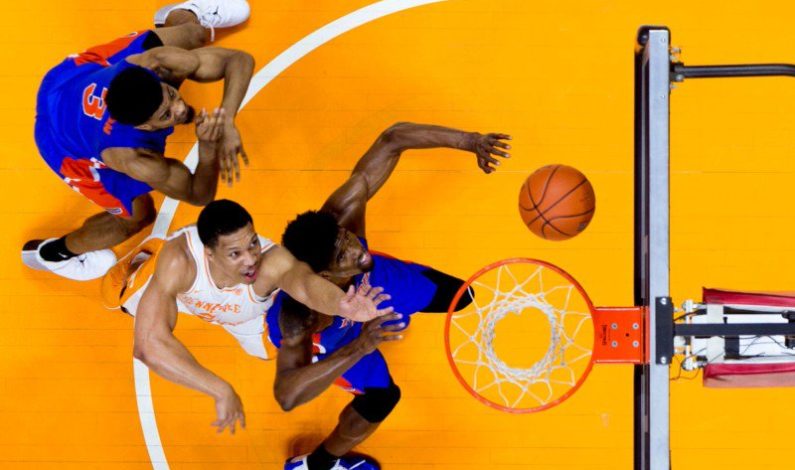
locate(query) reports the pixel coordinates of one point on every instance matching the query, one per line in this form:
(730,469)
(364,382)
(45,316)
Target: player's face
(238,255)
(350,256)
(173,111)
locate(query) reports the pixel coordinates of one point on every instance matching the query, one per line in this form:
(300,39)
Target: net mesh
(526,340)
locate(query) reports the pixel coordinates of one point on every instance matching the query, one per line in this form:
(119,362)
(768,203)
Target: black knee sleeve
(376,403)
(446,288)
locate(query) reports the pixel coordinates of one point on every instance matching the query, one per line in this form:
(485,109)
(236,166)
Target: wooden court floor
(555,75)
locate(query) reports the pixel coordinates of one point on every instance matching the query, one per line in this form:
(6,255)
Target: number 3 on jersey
(93,105)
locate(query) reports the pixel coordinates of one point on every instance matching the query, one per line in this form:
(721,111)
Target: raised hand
(210,128)
(485,146)
(362,304)
(231,146)
(374,332)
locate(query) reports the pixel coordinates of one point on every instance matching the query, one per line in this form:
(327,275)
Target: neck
(218,278)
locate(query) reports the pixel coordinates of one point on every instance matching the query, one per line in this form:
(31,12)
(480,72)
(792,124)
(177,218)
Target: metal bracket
(664,313)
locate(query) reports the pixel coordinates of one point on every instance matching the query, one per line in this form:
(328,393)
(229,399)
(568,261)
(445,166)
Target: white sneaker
(84,267)
(343,463)
(211,13)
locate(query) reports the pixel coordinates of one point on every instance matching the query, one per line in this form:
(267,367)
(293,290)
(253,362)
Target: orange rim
(448,348)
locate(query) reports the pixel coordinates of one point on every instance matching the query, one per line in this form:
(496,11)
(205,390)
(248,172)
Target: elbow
(396,136)
(141,353)
(395,132)
(247,60)
(287,401)
(286,404)
(146,351)
(201,200)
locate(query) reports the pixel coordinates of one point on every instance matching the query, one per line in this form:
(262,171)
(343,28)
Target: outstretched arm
(157,347)
(281,269)
(298,380)
(374,168)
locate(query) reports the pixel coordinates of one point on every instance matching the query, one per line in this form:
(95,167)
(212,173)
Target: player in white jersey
(223,272)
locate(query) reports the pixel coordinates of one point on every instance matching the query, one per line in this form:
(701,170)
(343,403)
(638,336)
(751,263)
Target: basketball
(557,202)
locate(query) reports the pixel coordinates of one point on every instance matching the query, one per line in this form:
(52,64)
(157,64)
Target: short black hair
(134,95)
(221,217)
(311,238)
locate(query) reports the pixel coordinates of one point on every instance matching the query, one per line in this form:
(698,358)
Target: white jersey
(223,306)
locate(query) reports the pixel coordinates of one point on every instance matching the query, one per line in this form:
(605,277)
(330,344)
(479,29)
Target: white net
(525,342)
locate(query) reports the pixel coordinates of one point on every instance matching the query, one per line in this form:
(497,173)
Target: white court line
(291,55)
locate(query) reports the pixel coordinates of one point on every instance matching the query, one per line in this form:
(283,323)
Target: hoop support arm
(680,71)
(619,335)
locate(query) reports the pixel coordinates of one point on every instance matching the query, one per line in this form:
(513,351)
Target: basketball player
(223,272)
(317,351)
(102,118)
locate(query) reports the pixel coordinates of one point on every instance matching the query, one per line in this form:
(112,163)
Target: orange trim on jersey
(187,236)
(100,54)
(136,280)
(345,385)
(81,174)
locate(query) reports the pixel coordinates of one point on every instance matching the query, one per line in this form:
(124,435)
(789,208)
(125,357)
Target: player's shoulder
(296,320)
(176,268)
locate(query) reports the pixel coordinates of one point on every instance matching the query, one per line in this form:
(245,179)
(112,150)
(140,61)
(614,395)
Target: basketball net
(526,341)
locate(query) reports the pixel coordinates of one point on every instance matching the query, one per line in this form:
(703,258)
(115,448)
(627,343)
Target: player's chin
(366,263)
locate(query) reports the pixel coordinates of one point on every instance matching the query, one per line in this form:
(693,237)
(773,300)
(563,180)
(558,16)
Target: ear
(208,252)
(145,127)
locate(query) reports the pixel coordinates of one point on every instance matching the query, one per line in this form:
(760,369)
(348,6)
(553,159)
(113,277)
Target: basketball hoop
(531,335)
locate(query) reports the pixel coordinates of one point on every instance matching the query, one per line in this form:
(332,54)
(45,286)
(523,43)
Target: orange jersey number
(93,105)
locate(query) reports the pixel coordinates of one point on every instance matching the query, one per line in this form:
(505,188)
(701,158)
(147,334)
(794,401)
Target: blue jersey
(73,126)
(410,292)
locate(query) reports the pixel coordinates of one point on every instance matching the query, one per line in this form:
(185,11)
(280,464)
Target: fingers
(391,337)
(200,118)
(350,293)
(230,422)
(223,169)
(483,165)
(244,155)
(236,166)
(373,293)
(495,151)
(395,327)
(387,317)
(381,298)
(363,288)
(383,311)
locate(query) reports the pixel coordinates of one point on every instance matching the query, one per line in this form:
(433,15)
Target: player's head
(230,242)
(330,250)
(136,96)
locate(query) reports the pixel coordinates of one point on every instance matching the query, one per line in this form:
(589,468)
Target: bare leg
(106,231)
(351,431)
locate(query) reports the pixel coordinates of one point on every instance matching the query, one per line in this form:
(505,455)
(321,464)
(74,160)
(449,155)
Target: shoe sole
(29,251)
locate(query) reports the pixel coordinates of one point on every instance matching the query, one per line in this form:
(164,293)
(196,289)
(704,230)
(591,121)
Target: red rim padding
(749,375)
(767,299)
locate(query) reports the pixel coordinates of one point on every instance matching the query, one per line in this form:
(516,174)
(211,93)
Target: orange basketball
(557,202)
